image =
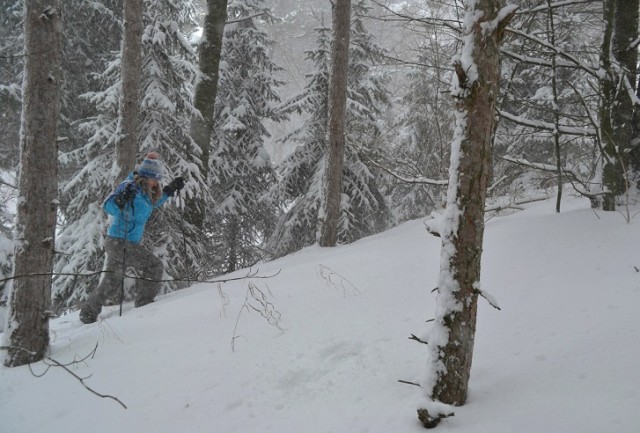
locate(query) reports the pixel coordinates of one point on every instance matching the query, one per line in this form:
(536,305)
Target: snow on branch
(571,176)
(490,299)
(453,24)
(563,129)
(539,166)
(556,5)
(534,60)
(574,60)
(413,180)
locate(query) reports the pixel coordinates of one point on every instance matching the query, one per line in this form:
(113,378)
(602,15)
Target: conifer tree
(167,78)
(363,208)
(419,156)
(92,172)
(241,171)
(169,71)
(11,65)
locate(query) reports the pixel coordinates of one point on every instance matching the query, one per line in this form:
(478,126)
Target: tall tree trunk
(617,86)
(129,119)
(336,123)
(452,338)
(27,334)
(209,51)
(556,106)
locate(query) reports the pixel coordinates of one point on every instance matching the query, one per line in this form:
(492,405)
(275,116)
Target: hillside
(561,355)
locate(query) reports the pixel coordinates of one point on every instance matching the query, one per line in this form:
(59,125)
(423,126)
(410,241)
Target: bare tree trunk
(209,51)
(27,333)
(127,142)
(452,338)
(617,86)
(337,109)
(556,108)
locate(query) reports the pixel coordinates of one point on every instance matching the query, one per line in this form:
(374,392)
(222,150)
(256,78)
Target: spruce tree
(241,170)
(363,208)
(167,79)
(168,76)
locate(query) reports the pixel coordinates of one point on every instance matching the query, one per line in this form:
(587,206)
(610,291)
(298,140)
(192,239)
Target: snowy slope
(561,356)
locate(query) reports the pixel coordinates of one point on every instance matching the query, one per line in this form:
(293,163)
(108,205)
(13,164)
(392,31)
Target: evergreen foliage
(169,72)
(241,171)
(11,64)
(422,149)
(168,75)
(298,191)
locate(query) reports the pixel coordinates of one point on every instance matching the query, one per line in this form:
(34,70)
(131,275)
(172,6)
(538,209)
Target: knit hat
(151,167)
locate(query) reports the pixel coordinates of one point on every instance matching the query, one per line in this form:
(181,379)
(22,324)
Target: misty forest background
(565,117)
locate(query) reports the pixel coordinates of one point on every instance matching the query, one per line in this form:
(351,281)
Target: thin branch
(577,62)
(559,4)
(563,129)
(239,20)
(414,180)
(84,384)
(515,204)
(454,25)
(489,299)
(418,339)
(410,383)
(54,363)
(250,275)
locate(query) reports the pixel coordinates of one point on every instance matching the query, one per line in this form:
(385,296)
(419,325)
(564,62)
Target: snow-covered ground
(561,356)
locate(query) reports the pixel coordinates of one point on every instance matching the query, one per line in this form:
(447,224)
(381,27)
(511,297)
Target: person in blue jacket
(130,206)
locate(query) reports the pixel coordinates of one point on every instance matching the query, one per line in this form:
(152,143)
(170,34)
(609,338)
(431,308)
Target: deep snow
(561,356)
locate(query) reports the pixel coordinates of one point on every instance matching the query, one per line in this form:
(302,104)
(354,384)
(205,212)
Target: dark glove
(175,185)
(125,196)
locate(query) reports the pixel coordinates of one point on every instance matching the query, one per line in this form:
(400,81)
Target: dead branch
(418,339)
(555,5)
(50,362)
(410,180)
(256,300)
(489,299)
(409,383)
(249,275)
(591,70)
(546,126)
(328,275)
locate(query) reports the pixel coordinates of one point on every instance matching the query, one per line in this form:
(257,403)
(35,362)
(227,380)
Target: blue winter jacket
(128,223)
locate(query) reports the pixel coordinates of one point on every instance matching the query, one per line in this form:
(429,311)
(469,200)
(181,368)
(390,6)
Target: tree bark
(618,83)
(336,123)
(209,52)
(556,108)
(27,334)
(129,119)
(452,339)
